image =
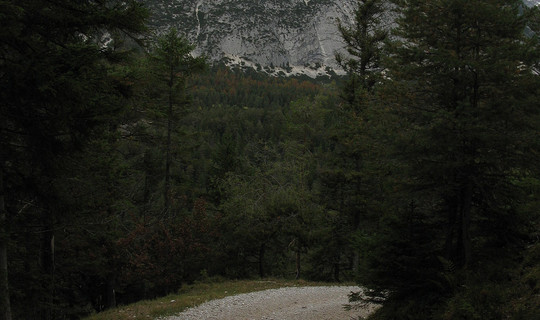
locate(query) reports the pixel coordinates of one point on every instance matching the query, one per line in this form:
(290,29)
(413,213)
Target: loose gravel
(291,303)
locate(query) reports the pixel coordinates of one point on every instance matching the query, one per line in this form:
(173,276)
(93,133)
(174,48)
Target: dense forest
(129,168)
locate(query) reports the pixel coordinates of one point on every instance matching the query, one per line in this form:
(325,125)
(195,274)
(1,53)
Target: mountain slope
(298,35)
(280,37)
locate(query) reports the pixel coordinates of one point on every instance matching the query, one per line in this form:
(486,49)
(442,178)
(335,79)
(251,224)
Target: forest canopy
(129,167)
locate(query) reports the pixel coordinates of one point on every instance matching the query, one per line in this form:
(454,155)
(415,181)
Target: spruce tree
(364,40)
(56,89)
(465,71)
(173,64)
(346,175)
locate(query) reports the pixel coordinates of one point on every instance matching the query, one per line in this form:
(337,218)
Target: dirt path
(304,303)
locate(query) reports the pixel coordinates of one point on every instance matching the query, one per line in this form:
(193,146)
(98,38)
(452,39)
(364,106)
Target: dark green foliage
(349,183)
(123,179)
(248,89)
(57,91)
(220,153)
(172,64)
(364,43)
(464,79)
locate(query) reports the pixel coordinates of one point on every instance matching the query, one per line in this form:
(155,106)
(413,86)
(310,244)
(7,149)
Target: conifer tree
(56,88)
(465,71)
(347,174)
(174,64)
(363,39)
(5,305)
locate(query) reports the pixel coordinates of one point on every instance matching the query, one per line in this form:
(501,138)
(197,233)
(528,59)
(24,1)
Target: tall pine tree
(346,176)
(174,63)
(56,88)
(465,71)
(364,40)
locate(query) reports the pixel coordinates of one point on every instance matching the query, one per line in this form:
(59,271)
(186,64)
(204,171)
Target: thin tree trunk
(356,261)
(336,269)
(465,225)
(451,232)
(262,250)
(5,306)
(111,294)
(167,187)
(47,265)
(298,248)
(356,224)
(463,239)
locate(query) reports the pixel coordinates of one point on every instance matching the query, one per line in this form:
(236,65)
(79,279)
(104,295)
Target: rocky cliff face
(531,3)
(292,36)
(281,37)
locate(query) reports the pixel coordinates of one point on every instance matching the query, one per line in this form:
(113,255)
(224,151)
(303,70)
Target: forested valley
(130,168)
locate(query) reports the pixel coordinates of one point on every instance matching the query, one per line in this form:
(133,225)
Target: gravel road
(292,303)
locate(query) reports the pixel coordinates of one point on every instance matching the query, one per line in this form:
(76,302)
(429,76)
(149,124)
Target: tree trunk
(356,261)
(262,250)
(47,265)
(336,264)
(5,306)
(167,186)
(450,251)
(356,228)
(298,248)
(336,270)
(465,219)
(111,294)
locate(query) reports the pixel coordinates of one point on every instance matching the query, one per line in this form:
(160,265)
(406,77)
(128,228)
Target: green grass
(193,295)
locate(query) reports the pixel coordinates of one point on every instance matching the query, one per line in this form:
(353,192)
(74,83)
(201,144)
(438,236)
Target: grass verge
(193,295)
